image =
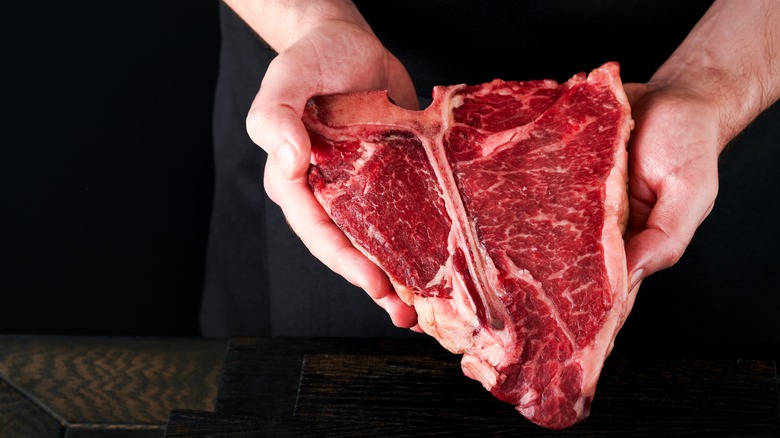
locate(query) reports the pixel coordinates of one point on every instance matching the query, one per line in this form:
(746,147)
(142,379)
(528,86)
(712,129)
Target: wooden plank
(685,395)
(422,395)
(21,416)
(398,395)
(261,375)
(114,431)
(326,387)
(188,423)
(122,387)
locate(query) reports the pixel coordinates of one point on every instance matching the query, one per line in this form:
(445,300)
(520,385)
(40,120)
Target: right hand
(335,56)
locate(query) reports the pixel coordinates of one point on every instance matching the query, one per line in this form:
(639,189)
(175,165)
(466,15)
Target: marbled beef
(498,212)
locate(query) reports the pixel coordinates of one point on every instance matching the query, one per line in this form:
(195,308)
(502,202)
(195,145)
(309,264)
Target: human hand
(334,56)
(718,80)
(673,175)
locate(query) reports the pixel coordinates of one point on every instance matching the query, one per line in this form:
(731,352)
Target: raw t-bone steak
(498,212)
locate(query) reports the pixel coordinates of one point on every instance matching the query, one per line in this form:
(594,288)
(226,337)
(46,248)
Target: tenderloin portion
(498,212)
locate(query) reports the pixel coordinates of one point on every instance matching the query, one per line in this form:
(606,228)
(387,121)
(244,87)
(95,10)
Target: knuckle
(255,120)
(675,252)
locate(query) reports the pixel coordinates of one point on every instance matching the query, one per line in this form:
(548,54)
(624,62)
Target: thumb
(274,121)
(278,129)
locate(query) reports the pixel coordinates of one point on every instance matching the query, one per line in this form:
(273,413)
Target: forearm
(281,23)
(731,58)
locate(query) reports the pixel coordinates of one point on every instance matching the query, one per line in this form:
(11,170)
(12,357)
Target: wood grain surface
(344,388)
(93,387)
(22,416)
(430,395)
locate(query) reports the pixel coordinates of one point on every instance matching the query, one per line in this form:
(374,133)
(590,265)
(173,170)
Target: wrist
(730,102)
(730,61)
(281,24)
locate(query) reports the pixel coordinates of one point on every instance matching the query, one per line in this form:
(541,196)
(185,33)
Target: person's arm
(722,76)
(325,47)
(732,58)
(282,23)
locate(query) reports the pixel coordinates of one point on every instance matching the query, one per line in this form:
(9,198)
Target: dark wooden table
(283,387)
(326,387)
(78,387)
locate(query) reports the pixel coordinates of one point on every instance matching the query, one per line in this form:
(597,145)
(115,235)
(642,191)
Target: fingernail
(636,277)
(286,158)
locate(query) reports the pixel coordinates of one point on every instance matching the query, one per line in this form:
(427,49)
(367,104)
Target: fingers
(401,314)
(669,227)
(416,328)
(651,251)
(277,130)
(327,243)
(274,119)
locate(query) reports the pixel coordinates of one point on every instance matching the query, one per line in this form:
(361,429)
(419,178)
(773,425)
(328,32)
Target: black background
(107,183)
(107,165)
